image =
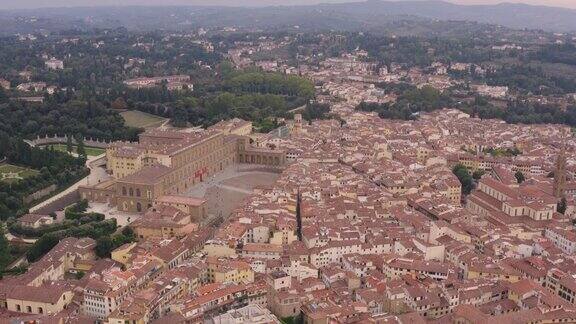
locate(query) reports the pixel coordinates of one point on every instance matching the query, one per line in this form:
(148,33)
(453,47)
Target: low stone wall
(89,142)
(60,203)
(39,194)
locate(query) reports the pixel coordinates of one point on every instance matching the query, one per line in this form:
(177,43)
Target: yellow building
(124,159)
(233,126)
(167,163)
(47,299)
(123,253)
(221,270)
(422,154)
(164,221)
(56,263)
(454,192)
(132,312)
(285,232)
(195,207)
(492,271)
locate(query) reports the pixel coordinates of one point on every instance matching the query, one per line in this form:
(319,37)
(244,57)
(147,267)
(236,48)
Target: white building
(251,314)
(54,64)
(563,239)
(490,91)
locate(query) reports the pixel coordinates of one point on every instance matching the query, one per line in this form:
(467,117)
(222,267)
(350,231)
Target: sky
(20,4)
(553,3)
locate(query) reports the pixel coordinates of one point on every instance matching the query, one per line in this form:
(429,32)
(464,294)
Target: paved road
(217,180)
(297,109)
(10,237)
(97,174)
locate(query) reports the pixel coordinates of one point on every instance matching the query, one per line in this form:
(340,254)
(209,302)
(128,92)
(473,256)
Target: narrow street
(97,174)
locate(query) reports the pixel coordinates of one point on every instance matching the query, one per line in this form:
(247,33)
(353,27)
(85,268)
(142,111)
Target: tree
(562,205)
(477,175)
(104,247)
(41,247)
(461,172)
(316,111)
(179,117)
(519,176)
(272,83)
(119,104)
(3,96)
(5,257)
(79,275)
(126,236)
(81,149)
(225,69)
(128,232)
(58,168)
(69,145)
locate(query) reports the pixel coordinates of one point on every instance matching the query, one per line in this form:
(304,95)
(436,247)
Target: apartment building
(224,270)
(564,239)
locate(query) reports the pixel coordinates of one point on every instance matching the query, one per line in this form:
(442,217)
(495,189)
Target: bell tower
(560,175)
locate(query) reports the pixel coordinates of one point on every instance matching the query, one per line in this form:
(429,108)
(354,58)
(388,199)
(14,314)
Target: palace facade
(170,162)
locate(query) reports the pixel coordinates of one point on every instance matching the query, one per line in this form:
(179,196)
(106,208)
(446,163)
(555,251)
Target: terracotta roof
(148,175)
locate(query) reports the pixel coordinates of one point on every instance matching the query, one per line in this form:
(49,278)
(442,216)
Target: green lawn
(12,173)
(134,118)
(90,151)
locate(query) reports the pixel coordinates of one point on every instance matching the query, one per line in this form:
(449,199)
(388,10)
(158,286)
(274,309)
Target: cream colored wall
(118,320)
(283,237)
(261,234)
(47,308)
(122,166)
(235,276)
(122,255)
(217,250)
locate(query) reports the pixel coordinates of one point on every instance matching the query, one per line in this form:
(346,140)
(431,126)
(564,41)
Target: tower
(298,119)
(297,122)
(298,216)
(560,175)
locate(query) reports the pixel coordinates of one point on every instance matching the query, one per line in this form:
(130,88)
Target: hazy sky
(17,4)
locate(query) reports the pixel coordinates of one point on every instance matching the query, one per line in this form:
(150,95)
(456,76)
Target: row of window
(40,310)
(138,206)
(95,310)
(131,192)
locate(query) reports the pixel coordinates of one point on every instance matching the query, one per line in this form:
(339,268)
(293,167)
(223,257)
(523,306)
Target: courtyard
(226,190)
(122,218)
(223,192)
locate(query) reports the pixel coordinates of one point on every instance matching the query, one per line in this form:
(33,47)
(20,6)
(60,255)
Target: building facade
(167,163)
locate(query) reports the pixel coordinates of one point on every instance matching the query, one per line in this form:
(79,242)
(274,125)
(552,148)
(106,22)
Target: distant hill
(344,16)
(505,14)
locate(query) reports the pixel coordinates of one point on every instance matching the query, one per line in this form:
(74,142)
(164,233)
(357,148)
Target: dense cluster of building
(366,223)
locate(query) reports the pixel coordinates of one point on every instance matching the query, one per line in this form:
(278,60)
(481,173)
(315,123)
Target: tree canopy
(465,178)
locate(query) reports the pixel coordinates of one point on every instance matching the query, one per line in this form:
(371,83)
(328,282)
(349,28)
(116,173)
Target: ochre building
(168,163)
